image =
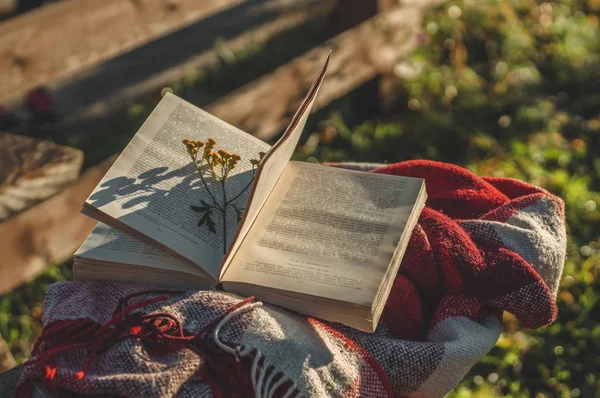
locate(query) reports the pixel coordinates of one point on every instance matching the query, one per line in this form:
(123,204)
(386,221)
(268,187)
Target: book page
(275,163)
(327,232)
(107,244)
(152,186)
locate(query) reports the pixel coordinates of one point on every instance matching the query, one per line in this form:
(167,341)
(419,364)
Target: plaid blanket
(482,246)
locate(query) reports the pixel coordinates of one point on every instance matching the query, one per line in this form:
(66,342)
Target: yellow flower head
(234,159)
(190,146)
(208,147)
(224,154)
(199,143)
(231,163)
(216,159)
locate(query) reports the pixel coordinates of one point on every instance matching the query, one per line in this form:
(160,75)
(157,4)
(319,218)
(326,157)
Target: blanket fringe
(265,380)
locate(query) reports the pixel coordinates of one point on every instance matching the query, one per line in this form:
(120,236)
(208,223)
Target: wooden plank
(33,170)
(7,7)
(349,13)
(58,40)
(145,71)
(48,233)
(265,106)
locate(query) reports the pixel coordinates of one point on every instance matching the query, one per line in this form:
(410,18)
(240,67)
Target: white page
(327,232)
(111,245)
(152,185)
(275,163)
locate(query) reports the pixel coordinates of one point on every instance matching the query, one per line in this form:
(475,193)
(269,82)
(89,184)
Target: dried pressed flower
(220,163)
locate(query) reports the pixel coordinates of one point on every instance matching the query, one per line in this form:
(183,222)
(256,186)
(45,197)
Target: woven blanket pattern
(482,246)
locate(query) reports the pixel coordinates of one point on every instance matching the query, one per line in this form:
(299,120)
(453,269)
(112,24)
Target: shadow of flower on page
(143,188)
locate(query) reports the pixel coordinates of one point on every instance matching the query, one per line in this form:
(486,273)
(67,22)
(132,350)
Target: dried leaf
(205,218)
(211,225)
(238,214)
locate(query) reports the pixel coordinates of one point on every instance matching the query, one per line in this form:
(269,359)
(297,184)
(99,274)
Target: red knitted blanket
(482,246)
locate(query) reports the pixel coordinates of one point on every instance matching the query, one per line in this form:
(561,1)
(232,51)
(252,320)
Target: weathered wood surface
(47,233)
(7,7)
(265,106)
(33,170)
(120,82)
(58,40)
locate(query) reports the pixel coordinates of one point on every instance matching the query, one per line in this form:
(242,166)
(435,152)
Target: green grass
(21,311)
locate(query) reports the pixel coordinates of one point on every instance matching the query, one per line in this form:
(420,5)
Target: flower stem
(199,167)
(224,216)
(243,189)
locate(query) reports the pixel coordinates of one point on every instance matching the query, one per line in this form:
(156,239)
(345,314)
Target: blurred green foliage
(21,311)
(503,87)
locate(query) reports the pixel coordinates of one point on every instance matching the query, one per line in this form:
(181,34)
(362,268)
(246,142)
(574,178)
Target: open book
(315,239)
